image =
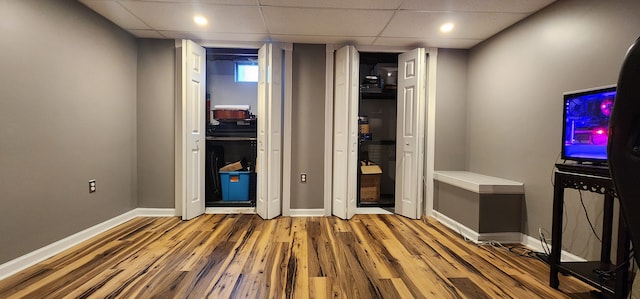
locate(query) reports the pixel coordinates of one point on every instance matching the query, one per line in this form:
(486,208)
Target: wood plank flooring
(243,256)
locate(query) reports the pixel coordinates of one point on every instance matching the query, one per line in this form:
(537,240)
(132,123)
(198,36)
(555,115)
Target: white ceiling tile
(179,16)
(361,22)
(431,42)
(146,33)
(325,39)
(467,25)
(525,6)
(362,4)
(213,36)
(336,22)
(117,14)
(226,2)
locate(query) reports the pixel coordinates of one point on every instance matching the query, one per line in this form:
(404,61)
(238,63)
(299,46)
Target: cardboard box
(370,183)
(232,167)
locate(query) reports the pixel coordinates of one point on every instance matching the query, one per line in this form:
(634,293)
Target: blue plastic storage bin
(235,185)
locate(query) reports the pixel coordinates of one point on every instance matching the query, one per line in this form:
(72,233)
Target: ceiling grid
(364,22)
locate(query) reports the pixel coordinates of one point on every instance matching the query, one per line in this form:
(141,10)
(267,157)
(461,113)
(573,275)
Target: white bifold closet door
(345,133)
(190,178)
(269,158)
(410,132)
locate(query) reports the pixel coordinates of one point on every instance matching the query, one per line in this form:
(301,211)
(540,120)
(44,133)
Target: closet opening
(377,126)
(231,122)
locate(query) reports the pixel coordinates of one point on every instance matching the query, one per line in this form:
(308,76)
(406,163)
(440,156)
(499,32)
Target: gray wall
(451,110)
(516,80)
(307,139)
(223,88)
(67,115)
(155,115)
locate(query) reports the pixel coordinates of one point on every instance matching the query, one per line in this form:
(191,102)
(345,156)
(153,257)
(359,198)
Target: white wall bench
(480,207)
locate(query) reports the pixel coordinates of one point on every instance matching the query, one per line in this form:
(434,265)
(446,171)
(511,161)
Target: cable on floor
(543,242)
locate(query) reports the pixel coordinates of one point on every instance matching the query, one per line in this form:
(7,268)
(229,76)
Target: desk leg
(556,231)
(622,256)
(607,229)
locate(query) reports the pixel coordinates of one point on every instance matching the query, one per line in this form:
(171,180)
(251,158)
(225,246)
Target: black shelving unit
(220,151)
(612,279)
(384,94)
(381,148)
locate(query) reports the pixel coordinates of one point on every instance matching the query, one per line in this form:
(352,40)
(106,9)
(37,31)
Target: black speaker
(623,148)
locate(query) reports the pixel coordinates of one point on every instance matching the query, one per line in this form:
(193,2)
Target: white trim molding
(470,234)
(287,117)
(20,263)
(230,44)
(373,211)
(328,129)
(210,210)
(432,68)
(536,245)
(507,237)
(155,212)
(307,213)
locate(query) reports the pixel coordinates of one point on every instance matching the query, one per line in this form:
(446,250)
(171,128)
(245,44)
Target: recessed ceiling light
(446,27)
(200,20)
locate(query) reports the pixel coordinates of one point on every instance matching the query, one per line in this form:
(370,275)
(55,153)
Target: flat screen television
(585,130)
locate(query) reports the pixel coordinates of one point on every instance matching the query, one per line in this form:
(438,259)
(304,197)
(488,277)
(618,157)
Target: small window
(246,71)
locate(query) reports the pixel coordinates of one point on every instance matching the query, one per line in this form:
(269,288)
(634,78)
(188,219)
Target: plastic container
(235,185)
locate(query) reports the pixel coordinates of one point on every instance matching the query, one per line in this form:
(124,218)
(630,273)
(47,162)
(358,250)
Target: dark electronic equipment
(586,124)
(233,128)
(624,142)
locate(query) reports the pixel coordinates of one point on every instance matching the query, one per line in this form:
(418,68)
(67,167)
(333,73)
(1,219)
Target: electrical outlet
(303,177)
(92,186)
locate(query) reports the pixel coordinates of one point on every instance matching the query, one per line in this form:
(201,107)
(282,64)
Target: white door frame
(286,158)
(328,130)
(432,58)
(430,140)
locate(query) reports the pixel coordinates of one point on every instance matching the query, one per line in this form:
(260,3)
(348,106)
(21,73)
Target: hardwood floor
(242,256)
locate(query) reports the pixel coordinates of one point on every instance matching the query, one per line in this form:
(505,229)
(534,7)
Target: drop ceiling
(362,22)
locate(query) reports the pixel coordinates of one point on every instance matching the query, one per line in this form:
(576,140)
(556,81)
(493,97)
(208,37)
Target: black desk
(592,179)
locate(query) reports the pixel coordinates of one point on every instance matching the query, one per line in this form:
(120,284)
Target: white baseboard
(20,263)
(505,237)
(155,212)
(526,240)
(212,210)
(536,245)
(372,210)
(306,212)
